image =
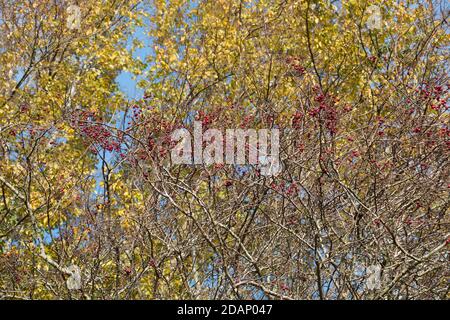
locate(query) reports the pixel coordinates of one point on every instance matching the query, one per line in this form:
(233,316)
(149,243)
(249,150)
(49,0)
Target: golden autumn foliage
(358,89)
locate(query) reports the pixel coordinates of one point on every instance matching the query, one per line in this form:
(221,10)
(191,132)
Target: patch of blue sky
(50,235)
(128,82)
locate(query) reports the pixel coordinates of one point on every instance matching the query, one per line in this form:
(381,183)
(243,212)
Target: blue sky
(125,80)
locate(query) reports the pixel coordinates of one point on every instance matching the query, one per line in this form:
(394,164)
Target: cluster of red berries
(137,111)
(327,108)
(290,190)
(205,118)
(372,59)
(355,154)
(417,129)
(270,119)
(127,270)
(435,93)
(295,64)
(228,183)
(296,120)
(158,138)
(24,107)
(247,121)
(92,128)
